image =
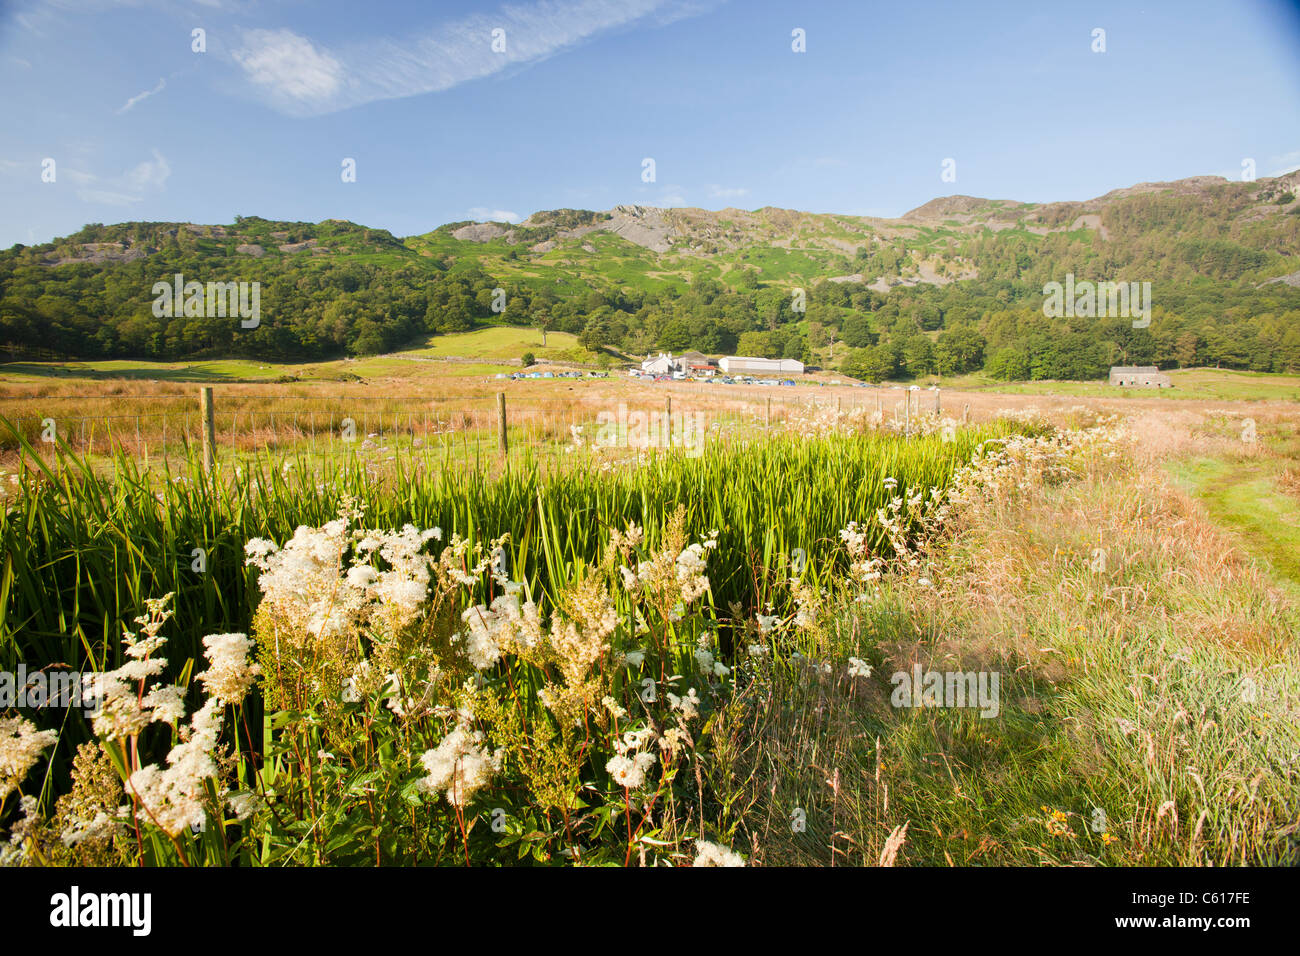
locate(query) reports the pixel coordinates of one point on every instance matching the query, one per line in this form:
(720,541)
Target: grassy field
(493,347)
(1201,383)
(1092,539)
(232,371)
(503,343)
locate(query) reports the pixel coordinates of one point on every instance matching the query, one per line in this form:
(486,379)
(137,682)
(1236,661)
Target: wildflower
(101,828)
(712,854)
(859,667)
(1057,823)
(20,745)
(230,675)
(672,740)
(505,626)
(352,684)
(176,797)
(166,702)
(631,762)
(459,765)
(243,805)
(634,658)
(629,770)
(688,705)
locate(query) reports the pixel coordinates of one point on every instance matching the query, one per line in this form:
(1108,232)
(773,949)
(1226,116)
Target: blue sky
(444,128)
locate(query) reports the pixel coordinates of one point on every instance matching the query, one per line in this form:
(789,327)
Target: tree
(918,355)
(959,351)
(370,340)
(676,336)
(595,334)
(1186,348)
(857,332)
(1008,365)
(544,322)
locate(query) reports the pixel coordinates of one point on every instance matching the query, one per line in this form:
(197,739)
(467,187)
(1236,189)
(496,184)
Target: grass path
(1148,674)
(1244,499)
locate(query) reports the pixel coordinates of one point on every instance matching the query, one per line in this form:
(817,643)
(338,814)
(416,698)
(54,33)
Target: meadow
(411,649)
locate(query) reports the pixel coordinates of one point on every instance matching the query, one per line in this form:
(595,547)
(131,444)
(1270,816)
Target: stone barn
(1139,376)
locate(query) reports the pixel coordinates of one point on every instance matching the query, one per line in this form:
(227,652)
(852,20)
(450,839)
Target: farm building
(659,365)
(1140,376)
(692,363)
(687,359)
(741,365)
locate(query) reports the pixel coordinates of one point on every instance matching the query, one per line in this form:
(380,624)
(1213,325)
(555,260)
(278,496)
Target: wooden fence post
(668,422)
(937,408)
(502,441)
(209,428)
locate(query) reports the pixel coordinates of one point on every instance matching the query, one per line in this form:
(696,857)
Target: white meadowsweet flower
(230,675)
(688,705)
(20,746)
(859,667)
(459,765)
(712,854)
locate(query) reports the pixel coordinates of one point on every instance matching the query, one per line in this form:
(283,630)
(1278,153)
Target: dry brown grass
(1160,637)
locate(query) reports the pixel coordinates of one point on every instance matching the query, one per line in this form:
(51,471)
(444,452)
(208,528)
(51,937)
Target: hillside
(952,286)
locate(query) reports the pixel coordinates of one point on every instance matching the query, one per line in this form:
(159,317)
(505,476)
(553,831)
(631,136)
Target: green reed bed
(82,552)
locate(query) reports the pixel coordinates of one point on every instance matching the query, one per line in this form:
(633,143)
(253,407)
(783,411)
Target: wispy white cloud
(290,68)
(484,214)
(129,188)
(162,85)
(302,77)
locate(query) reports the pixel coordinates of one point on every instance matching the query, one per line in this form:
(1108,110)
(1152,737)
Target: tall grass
(82,551)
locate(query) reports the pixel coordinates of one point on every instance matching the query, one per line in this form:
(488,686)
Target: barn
(1139,376)
(741,365)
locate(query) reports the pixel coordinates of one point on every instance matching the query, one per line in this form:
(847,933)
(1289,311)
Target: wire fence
(166,425)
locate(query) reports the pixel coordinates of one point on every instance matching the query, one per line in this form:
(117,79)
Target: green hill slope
(951,287)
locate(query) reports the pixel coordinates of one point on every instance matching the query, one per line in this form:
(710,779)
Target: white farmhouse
(659,365)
